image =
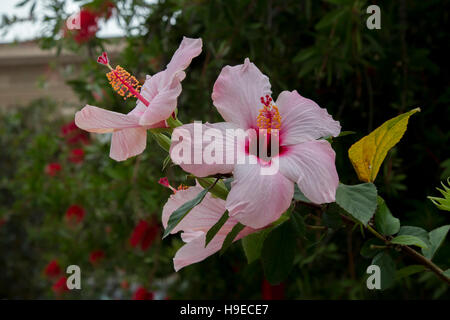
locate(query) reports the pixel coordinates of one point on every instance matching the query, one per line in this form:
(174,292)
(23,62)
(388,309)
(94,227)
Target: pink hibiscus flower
(241,94)
(196,224)
(157,100)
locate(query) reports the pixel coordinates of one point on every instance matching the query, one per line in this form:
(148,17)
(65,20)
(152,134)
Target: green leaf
(437,237)
(360,200)
(447,273)
(305,54)
(230,237)
(181,212)
(166,163)
(278,253)
(330,18)
(298,224)
(216,227)
(367,251)
(442,203)
(409,240)
(218,188)
(385,222)
(299,196)
(253,244)
(415,231)
(332,218)
(162,140)
(409,271)
(387,269)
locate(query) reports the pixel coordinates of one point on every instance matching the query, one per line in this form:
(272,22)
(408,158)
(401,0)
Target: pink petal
(94,119)
(163,103)
(312,165)
(303,120)
(163,89)
(201,217)
(237,93)
(196,224)
(257,200)
(188,49)
(140,109)
(196,144)
(195,251)
(128,143)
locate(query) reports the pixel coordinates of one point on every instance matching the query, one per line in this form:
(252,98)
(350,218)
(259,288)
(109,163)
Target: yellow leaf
(368,153)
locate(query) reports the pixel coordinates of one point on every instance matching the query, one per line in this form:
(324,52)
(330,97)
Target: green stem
(409,251)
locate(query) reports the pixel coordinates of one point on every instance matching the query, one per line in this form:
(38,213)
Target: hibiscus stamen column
(121,81)
(268,122)
(269,117)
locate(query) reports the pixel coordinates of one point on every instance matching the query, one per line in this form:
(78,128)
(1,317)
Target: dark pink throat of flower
(122,81)
(267,142)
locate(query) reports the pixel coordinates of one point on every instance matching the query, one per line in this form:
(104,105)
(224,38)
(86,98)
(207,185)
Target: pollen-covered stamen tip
(103,59)
(266,101)
(165,182)
(269,117)
(121,81)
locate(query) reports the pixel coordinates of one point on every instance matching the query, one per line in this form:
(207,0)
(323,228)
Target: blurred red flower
(144,234)
(73,134)
(75,213)
(270,292)
(85,23)
(52,169)
(76,156)
(52,269)
(68,128)
(96,256)
(2,221)
(88,26)
(60,286)
(143,294)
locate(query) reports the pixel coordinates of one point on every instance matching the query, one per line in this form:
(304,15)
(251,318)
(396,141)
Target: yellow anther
(182,187)
(269,118)
(123,83)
